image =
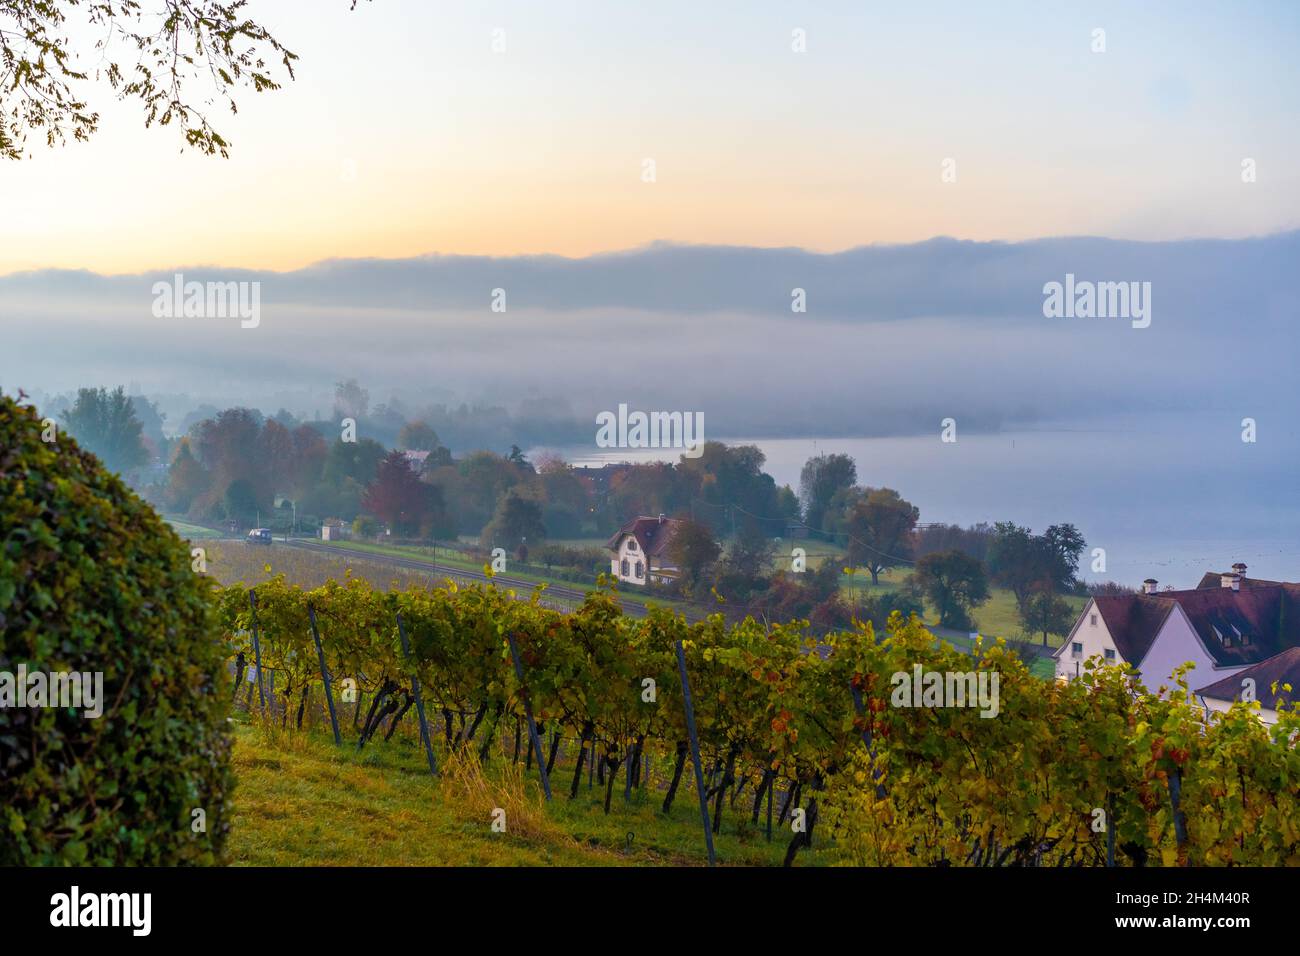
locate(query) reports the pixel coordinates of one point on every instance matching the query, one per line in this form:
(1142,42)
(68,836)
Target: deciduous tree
(954,583)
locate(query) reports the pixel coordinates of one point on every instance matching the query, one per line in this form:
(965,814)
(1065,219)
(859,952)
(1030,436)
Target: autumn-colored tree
(692,549)
(186,479)
(309,454)
(880,529)
(417,436)
(275,448)
(397,496)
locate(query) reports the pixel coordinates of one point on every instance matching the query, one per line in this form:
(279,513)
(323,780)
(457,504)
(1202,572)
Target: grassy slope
(453,559)
(300,801)
(192,532)
(996,618)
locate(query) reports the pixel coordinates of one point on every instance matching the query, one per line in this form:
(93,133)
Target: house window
(1094,620)
(631,545)
(1076,649)
(625,567)
(640,569)
(1110,653)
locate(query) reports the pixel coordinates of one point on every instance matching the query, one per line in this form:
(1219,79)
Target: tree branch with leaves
(180,59)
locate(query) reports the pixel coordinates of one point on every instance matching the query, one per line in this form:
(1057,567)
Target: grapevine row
(1094,772)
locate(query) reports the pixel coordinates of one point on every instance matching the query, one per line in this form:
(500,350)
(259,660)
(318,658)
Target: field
(453,558)
(193,532)
(301,801)
(233,562)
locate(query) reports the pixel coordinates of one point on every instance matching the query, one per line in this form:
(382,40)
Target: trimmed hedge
(91,579)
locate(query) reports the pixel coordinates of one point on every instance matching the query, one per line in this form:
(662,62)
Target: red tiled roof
(1133,620)
(1283,668)
(1214,579)
(1268,617)
(652,535)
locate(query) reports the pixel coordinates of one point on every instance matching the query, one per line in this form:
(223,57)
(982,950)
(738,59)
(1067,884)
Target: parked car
(258,536)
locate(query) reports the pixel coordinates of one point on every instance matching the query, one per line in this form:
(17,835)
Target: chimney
(663,518)
(1149,586)
(1240,570)
(1231,581)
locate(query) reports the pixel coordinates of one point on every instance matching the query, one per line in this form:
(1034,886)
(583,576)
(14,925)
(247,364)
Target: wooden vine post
(528,712)
(419,698)
(695,752)
(324,676)
(257,651)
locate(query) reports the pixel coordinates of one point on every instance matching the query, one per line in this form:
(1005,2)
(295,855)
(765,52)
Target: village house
(1272,682)
(640,551)
(1227,626)
(417,460)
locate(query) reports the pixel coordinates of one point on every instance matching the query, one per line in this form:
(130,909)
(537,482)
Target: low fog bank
(894,339)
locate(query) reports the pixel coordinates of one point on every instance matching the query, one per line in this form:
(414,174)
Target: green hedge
(92,580)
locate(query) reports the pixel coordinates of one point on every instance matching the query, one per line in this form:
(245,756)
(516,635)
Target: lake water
(1167,499)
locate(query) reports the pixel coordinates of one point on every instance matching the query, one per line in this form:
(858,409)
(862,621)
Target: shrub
(365,526)
(92,580)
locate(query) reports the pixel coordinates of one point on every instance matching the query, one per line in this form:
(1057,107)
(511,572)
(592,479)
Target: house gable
(1089,631)
(646,541)
(1177,643)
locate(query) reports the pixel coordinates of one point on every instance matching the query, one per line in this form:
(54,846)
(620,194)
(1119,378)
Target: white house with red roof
(1224,626)
(639,551)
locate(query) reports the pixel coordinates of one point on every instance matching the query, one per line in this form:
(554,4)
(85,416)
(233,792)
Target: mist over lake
(1168,497)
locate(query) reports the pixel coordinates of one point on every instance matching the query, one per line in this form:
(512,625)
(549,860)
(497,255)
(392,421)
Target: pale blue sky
(405,133)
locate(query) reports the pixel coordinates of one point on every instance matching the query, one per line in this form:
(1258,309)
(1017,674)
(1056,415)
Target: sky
(921,170)
(406,134)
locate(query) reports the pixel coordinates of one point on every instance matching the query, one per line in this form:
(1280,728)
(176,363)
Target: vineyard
(806,740)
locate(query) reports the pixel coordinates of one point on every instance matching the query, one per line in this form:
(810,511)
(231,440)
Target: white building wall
(1266,715)
(1090,631)
(630,551)
(1177,643)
